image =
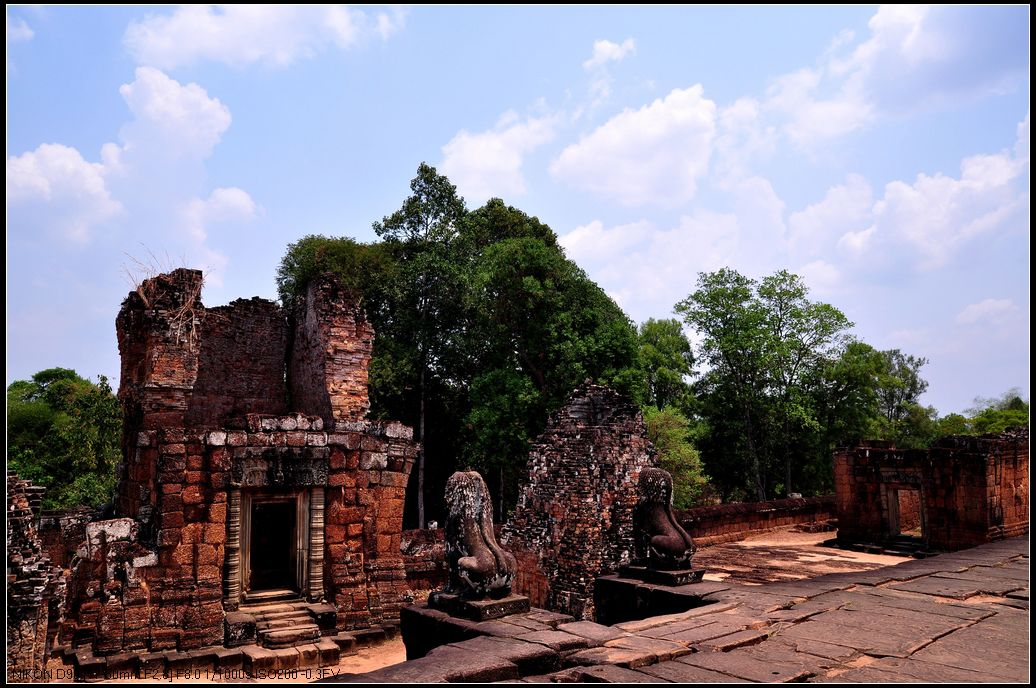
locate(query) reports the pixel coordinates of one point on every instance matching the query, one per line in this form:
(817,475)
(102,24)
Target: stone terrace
(960,617)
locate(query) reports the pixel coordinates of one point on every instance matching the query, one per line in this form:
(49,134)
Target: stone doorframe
(309,541)
(890,507)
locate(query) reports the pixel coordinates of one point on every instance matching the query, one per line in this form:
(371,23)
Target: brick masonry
(221,403)
(710,525)
(970,490)
(35,586)
(574,517)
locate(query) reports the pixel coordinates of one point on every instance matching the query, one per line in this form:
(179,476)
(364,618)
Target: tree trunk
(756,471)
(420,455)
(787,474)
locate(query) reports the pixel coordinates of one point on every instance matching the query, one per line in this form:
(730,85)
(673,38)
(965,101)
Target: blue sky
(883,153)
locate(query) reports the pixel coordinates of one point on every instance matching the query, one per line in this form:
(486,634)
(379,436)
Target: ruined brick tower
(250,474)
(574,519)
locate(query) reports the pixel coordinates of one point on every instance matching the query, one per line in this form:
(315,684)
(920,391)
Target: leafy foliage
(986,416)
(483,328)
(670,431)
(767,347)
(666,361)
(64,432)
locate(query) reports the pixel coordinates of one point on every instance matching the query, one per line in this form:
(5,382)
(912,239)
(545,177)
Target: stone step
(276,616)
(278,624)
(287,637)
(258,609)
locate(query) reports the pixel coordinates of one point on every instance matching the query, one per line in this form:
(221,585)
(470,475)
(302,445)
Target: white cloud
(489,163)
(239,35)
(915,57)
(18,30)
(857,243)
(938,214)
(810,116)
(845,208)
(925,223)
(743,137)
(181,120)
(153,178)
(605,51)
(223,204)
(54,188)
(989,311)
(1021,147)
(821,276)
(389,23)
(655,154)
(647,269)
(593,243)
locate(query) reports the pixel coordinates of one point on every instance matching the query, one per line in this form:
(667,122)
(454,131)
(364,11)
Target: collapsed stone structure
(250,475)
(35,586)
(963,491)
(574,519)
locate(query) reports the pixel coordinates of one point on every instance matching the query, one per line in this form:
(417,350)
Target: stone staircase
(285,625)
(287,636)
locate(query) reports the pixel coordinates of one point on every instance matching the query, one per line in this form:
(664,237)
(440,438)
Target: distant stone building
(961,492)
(574,519)
(250,476)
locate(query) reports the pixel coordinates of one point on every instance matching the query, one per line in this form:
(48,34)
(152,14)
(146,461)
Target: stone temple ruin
(574,519)
(250,476)
(259,519)
(961,492)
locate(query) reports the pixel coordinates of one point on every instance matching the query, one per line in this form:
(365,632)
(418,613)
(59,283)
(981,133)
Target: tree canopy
(64,432)
(483,328)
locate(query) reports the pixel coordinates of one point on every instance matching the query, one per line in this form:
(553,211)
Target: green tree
(539,327)
(666,361)
(954,424)
(483,327)
(766,345)
(899,386)
(996,415)
(64,432)
(420,235)
(670,432)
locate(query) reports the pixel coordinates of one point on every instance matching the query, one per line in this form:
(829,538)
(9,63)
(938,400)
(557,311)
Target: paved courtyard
(957,617)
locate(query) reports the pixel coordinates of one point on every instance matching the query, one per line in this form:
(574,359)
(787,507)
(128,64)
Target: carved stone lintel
(274,470)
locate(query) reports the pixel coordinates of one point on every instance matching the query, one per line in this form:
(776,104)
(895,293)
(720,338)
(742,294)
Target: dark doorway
(272,551)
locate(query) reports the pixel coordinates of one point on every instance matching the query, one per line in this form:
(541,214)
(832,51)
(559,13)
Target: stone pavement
(959,617)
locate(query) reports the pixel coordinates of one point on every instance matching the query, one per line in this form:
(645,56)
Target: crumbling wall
(208,414)
(242,349)
(971,489)
(710,525)
(35,587)
(424,558)
(330,354)
(574,517)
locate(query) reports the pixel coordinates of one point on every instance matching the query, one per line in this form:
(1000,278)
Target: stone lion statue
(479,567)
(660,542)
